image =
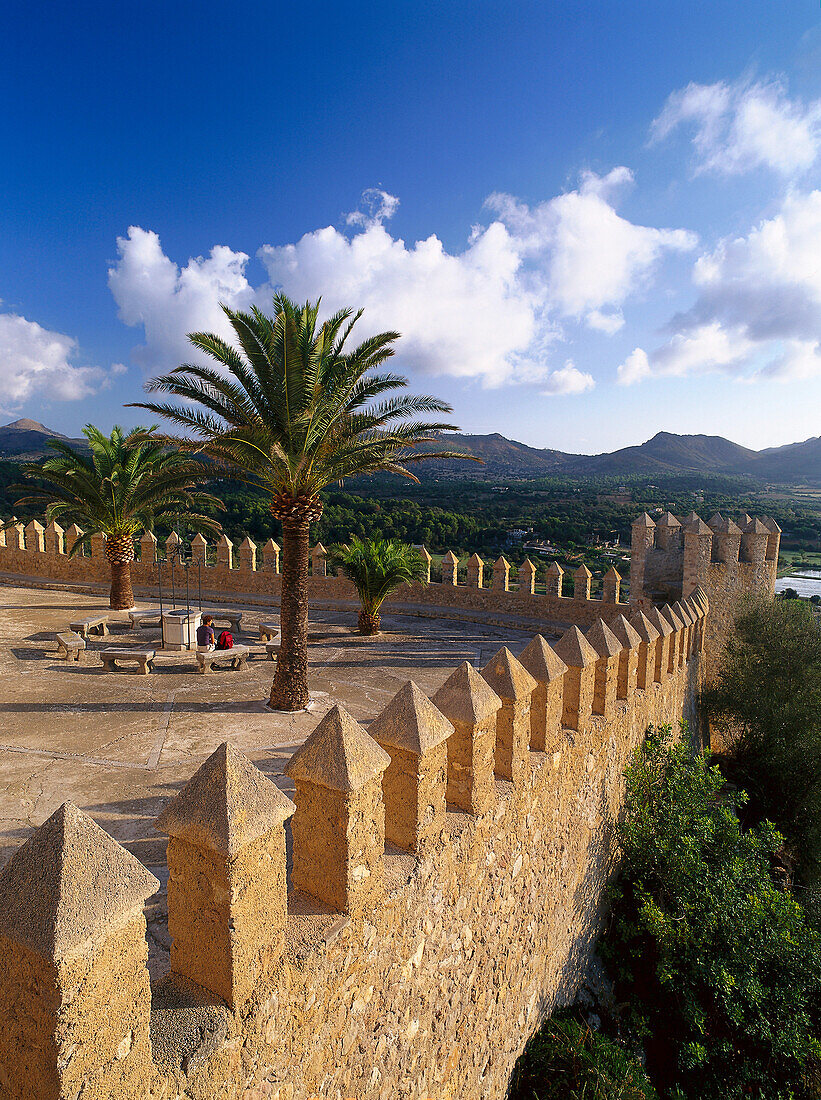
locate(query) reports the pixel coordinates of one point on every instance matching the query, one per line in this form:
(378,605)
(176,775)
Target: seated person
(206,635)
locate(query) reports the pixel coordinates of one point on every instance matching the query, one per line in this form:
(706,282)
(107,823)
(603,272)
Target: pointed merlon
(626,634)
(644,628)
(603,640)
(339,755)
(527,568)
(555,570)
(501,564)
(612,574)
(247,544)
(410,721)
(744,519)
(660,622)
(199,540)
(723,526)
(683,612)
(466,698)
(691,518)
(672,618)
(756,527)
(771,525)
(643,521)
(582,573)
(424,555)
(542,661)
(450,558)
(701,598)
(575,650)
(475,562)
(508,677)
(668,520)
(68,883)
(227,804)
(697,526)
(271,544)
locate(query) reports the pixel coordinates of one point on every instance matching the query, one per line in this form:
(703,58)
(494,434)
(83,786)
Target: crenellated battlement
(441,895)
(247,569)
(670,558)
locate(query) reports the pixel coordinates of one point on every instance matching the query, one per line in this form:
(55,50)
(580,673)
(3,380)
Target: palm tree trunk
(122,595)
(289,690)
(369,622)
(119,549)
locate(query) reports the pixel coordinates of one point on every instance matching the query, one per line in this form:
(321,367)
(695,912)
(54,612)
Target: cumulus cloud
(591,257)
(568,380)
(758,310)
(745,125)
(492,310)
(169,302)
(37,363)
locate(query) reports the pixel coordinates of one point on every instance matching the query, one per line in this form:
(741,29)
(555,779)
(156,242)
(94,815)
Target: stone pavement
(121,745)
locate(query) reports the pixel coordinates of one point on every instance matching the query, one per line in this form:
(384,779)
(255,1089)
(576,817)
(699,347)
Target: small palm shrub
(566,1060)
(718,963)
(376,567)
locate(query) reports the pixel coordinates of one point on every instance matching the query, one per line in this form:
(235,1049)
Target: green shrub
(766,702)
(719,966)
(566,1060)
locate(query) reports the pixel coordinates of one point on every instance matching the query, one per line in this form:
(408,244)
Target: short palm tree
(291,409)
(126,484)
(376,567)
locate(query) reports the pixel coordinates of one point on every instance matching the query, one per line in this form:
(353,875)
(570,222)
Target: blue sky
(590,221)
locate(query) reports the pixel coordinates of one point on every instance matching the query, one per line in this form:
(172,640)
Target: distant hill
(25,439)
(665,453)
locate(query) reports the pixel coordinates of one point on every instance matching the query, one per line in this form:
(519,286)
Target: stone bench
(268,631)
(71,645)
(94,624)
(145,616)
(232,618)
(272,648)
(142,657)
(237,656)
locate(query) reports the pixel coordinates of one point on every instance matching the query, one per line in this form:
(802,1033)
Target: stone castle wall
(226,570)
(671,557)
(384,971)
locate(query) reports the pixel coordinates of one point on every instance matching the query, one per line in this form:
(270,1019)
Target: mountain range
(665,453)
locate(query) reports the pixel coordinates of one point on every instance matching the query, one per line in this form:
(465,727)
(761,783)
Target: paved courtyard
(121,744)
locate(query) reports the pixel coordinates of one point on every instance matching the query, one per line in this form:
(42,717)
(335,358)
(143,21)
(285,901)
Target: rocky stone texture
(74,992)
(514,685)
(414,733)
(547,669)
(471,705)
(227,887)
(339,824)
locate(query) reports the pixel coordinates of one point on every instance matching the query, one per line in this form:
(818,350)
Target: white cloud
(168,302)
(379,207)
(491,311)
(745,125)
(568,380)
(758,310)
(591,257)
(37,363)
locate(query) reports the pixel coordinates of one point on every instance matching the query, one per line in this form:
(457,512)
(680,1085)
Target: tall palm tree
(376,567)
(290,409)
(127,483)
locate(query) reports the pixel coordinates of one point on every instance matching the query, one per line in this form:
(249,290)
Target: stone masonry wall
(421,974)
(20,555)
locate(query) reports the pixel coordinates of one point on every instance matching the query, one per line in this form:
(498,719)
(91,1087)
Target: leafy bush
(719,966)
(766,702)
(566,1060)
